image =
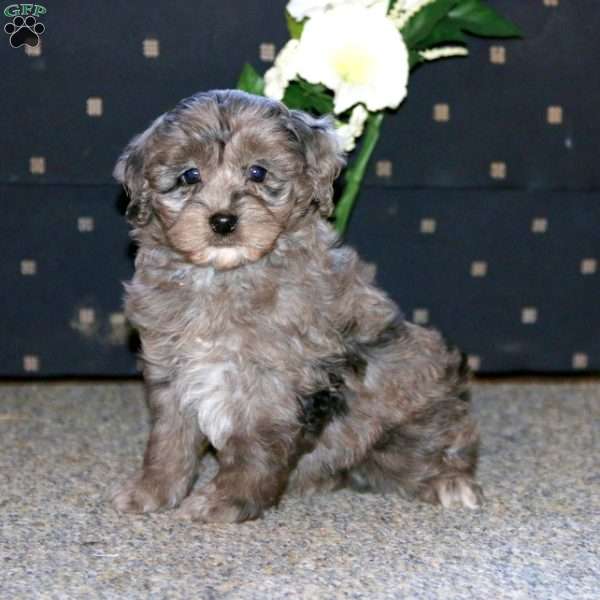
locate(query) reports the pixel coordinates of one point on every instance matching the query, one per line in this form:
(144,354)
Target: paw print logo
(24,31)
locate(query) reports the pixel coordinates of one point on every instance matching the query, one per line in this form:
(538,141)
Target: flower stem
(356,171)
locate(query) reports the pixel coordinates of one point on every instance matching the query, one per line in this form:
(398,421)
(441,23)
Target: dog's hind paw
(453,492)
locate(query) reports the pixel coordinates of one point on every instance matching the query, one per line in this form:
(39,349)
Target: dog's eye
(257,173)
(189,177)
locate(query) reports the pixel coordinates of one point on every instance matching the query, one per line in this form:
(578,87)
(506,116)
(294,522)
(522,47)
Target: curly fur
(272,345)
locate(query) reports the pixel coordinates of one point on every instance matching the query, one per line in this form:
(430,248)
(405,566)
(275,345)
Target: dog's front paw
(455,491)
(139,496)
(209,507)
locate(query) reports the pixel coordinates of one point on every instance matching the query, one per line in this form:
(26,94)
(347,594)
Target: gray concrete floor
(63,445)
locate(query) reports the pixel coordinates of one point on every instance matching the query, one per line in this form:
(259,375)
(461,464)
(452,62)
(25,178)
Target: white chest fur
(208,385)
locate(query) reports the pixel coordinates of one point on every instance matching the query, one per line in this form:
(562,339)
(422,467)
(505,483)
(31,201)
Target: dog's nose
(223,223)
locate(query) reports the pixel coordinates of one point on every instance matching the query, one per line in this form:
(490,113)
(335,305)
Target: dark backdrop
(481,205)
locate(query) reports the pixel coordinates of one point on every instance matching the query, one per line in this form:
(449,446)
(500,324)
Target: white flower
(358,54)
(284,69)
(306,9)
(348,132)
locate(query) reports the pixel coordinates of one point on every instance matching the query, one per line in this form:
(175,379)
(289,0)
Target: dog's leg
(170,459)
(253,473)
(432,456)
(429,443)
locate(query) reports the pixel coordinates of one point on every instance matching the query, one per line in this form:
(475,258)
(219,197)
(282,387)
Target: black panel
(440,170)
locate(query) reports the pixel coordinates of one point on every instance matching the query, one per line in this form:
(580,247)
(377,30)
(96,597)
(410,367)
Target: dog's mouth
(229,254)
(224,255)
(224,258)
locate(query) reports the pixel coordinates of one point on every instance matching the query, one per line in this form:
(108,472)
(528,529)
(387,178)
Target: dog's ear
(323,154)
(129,171)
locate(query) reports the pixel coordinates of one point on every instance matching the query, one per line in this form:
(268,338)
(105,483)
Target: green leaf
(250,81)
(294,97)
(294,27)
(414,59)
(423,23)
(308,96)
(445,31)
(477,18)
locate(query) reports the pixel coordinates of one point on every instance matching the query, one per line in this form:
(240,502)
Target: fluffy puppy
(265,339)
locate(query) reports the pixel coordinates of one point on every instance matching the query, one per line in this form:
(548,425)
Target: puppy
(264,338)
